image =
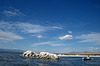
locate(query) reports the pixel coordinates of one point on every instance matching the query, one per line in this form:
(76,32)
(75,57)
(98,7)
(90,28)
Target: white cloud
(51,43)
(24,27)
(58,44)
(39,36)
(70,32)
(66,37)
(31,28)
(7,30)
(8,36)
(92,37)
(7,26)
(43,43)
(57,27)
(12,13)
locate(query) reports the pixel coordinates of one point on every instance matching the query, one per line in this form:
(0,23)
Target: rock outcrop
(41,55)
(46,55)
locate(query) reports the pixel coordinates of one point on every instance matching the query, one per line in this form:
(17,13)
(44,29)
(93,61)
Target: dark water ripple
(13,59)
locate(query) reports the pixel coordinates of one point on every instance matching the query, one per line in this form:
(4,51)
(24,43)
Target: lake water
(13,59)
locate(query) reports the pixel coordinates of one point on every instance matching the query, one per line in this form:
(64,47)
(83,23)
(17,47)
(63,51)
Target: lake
(14,59)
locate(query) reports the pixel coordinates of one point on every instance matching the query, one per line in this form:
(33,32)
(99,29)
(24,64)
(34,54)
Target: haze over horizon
(57,26)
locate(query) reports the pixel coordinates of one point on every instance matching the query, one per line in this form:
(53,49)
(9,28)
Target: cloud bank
(32,28)
(92,37)
(10,28)
(25,27)
(9,36)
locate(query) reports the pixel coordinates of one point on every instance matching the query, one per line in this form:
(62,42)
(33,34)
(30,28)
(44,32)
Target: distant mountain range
(11,50)
(85,52)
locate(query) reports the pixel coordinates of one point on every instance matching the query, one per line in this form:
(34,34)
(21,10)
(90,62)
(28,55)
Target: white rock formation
(28,54)
(47,55)
(42,55)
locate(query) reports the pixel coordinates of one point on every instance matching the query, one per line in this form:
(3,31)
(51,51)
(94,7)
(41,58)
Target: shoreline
(76,56)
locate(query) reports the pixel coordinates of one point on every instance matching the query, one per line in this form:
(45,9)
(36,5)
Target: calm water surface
(13,59)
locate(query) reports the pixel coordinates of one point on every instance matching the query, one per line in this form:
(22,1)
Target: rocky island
(41,55)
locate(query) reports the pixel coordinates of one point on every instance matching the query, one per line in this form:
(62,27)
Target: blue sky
(57,26)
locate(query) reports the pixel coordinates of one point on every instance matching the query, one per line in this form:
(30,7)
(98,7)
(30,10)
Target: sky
(57,26)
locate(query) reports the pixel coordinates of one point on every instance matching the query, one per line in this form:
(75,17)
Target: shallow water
(13,59)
